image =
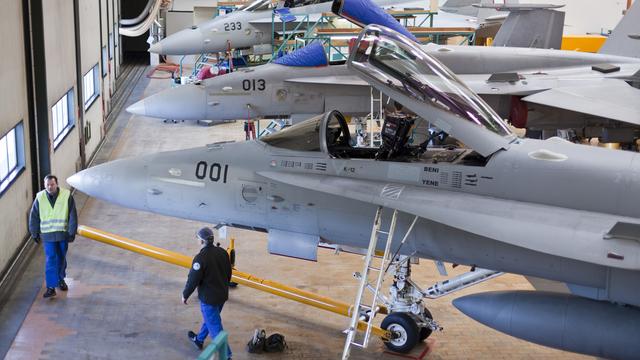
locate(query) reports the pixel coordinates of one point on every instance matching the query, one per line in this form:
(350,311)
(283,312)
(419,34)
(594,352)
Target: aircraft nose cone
(186,102)
(137,108)
(122,182)
(184,42)
(155,48)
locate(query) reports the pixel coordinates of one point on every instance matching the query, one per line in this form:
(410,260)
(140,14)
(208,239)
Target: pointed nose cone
(184,42)
(137,109)
(156,48)
(123,182)
(186,102)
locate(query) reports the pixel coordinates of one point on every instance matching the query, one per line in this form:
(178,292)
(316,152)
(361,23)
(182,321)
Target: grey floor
(124,306)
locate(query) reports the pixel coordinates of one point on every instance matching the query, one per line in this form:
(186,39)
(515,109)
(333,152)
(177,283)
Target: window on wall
(63,118)
(90,87)
(104,61)
(111,46)
(11,156)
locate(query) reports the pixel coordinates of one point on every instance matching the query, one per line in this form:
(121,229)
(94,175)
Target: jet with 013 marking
(534,88)
(545,208)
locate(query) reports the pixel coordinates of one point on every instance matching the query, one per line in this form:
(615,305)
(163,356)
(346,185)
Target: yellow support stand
(272,287)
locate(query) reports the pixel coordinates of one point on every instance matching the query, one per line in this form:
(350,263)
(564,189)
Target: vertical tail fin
(534,28)
(625,38)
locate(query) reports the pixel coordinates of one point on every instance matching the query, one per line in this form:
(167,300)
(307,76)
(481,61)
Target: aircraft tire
(405,329)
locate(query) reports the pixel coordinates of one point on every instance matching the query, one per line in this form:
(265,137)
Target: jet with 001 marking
(545,208)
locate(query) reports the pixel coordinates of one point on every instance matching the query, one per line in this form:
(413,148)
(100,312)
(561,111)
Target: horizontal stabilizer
(615,100)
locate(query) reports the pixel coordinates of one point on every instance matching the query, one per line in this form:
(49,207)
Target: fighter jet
(250,25)
(545,208)
(534,88)
(253,24)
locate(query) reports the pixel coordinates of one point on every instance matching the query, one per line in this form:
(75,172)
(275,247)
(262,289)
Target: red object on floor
(427,349)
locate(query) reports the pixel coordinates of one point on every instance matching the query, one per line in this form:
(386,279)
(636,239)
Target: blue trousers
(212,324)
(55,266)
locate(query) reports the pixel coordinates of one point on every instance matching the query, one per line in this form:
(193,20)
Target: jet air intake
(561,321)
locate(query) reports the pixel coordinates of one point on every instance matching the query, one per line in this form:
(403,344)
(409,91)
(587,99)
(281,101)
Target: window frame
(93,75)
(14,172)
(105,61)
(112,48)
(66,110)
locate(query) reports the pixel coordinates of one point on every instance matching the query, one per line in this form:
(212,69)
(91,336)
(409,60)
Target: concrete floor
(123,306)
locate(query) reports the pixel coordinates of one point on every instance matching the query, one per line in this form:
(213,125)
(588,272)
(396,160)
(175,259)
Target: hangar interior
(68,77)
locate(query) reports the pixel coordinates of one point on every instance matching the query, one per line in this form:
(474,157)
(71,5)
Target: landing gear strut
(409,320)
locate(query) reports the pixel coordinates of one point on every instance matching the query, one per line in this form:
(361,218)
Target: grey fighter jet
(253,24)
(248,26)
(534,88)
(545,208)
(566,89)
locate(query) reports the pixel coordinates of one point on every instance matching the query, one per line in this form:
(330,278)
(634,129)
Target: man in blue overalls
(53,219)
(210,273)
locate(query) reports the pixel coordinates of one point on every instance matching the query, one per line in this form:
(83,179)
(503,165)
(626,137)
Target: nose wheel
(405,334)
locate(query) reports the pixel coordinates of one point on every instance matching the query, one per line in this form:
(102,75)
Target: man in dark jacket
(210,273)
(53,219)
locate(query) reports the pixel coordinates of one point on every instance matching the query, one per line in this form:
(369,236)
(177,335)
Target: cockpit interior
(329,133)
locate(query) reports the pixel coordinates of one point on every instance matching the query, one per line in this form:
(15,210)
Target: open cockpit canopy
(398,67)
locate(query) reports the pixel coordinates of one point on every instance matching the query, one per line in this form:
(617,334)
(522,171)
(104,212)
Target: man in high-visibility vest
(54,220)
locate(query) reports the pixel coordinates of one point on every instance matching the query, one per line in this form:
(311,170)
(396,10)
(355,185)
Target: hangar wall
(38,72)
(90,60)
(59,34)
(15,200)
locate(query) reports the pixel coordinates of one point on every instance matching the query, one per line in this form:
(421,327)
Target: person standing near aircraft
(210,273)
(53,219)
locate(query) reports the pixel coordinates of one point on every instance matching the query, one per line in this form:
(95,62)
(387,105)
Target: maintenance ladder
(359,309)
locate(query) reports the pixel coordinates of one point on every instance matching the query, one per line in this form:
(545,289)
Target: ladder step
(357,344)
(373,268)
(382,232)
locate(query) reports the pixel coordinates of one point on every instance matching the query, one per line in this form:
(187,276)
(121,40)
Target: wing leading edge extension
(537,227)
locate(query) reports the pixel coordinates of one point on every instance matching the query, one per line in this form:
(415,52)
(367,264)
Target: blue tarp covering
(310,55)
(284,14)
(365,12)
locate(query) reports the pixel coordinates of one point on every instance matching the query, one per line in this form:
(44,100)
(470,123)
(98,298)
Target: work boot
(63,285)
(194,339)
(51,292)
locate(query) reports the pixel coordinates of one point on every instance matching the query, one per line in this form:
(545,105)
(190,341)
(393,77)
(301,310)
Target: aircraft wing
(547,229)
(330,80)
(617,101)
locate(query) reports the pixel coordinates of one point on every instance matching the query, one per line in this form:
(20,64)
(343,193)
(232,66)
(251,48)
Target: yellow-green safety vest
(56,218)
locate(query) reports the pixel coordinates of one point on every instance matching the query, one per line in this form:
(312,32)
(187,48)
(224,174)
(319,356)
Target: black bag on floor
(257,342)
(275,343)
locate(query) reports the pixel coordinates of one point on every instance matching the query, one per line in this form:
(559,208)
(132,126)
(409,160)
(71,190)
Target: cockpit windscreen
(304,136)
(405,67)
